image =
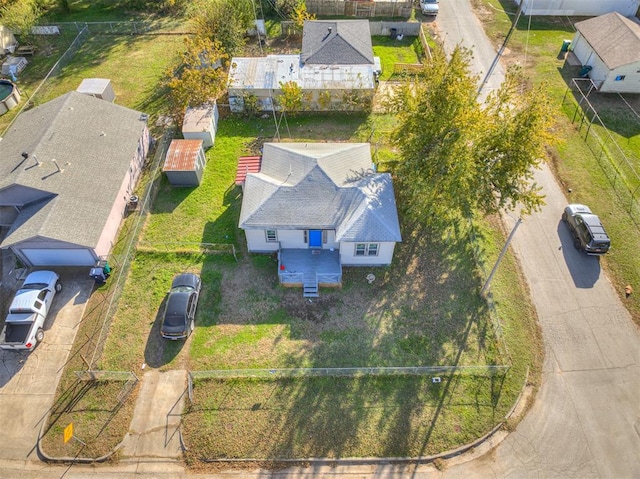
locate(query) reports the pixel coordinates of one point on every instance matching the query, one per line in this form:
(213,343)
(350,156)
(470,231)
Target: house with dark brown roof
(610,45)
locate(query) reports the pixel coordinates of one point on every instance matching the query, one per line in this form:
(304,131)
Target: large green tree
(459,156)
(199,78)
(20,15)
(224,21)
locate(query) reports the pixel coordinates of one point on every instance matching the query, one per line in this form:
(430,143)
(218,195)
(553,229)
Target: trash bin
(101,271)
(565,46)
(394,33)
(98,275)
(584,73)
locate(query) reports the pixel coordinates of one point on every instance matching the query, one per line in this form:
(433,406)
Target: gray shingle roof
(342,42)
(614,38)
(93,142)
(321,186)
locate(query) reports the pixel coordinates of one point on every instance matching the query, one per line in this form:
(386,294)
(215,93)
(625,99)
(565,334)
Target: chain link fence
(434,371)
(618,166)
(188,248)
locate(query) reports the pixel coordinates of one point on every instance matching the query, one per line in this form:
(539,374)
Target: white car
(24,325)
(429,7)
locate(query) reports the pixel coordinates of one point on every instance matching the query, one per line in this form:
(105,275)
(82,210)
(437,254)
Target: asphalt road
(586,419)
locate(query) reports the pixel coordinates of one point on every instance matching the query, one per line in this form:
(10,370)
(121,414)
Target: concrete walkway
(155,428)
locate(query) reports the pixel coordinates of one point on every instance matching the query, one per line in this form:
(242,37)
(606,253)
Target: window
(272,236)
(620,77)
(367,249)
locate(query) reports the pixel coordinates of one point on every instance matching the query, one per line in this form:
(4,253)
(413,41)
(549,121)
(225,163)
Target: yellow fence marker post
(68,432)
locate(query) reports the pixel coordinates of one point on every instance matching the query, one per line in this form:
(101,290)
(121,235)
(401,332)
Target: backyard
(423,311)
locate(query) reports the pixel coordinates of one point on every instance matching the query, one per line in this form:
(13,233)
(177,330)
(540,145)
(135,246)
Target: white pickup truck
(23,328)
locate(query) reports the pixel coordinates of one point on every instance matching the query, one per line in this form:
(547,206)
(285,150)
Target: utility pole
(504,250)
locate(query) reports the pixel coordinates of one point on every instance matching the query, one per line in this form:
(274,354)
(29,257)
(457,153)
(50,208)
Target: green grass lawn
(423,310)
(392,51)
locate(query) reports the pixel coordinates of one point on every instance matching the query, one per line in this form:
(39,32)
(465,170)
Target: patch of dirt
(289,45)
(308,309)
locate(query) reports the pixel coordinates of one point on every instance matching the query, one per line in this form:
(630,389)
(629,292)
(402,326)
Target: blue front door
(315,239)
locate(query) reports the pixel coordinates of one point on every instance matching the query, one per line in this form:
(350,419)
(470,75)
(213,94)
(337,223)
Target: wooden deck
(300,267)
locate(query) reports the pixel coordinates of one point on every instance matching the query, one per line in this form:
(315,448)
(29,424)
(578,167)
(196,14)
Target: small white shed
(184,163)
(8,41)
(201,123)
(98,88)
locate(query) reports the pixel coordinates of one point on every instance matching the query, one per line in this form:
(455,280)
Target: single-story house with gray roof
(335,71)
(610,45)
(320,203)
(67,171)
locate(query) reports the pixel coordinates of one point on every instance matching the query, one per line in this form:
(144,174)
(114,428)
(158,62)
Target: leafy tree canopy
(459,156)
(224,21)
(290,100)
(201,76)
(20,15)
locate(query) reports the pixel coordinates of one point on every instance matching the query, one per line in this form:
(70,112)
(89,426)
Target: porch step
(310,286)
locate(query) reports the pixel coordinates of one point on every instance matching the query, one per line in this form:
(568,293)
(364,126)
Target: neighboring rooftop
(336,42)
(614,38)
(266,73)
(71,155)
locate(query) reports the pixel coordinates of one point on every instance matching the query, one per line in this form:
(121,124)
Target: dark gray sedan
(179,318)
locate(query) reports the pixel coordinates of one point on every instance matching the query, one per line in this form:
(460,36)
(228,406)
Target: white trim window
(367,249)
(271,236)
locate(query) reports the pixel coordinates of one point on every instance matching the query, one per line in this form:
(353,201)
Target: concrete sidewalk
(155,428)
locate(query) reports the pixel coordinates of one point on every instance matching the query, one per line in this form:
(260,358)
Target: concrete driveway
(28,380)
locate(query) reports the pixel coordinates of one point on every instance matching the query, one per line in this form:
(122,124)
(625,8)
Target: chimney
(329,30)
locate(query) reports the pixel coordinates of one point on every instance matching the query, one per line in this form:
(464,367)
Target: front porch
(309,268)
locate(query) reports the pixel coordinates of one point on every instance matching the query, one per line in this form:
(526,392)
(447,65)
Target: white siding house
(320,203)
(585,8)
(610,45)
